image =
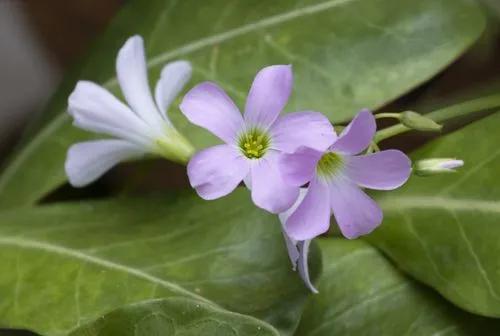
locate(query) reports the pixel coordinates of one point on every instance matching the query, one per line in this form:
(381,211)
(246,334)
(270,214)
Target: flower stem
(388,115)
(389,132)
(174,147)
(471,106)
(372,148)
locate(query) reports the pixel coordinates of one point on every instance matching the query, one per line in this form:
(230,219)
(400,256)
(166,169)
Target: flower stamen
(254,143)
(329,164)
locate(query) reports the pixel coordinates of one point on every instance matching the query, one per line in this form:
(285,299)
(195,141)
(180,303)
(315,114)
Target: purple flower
(336,177)
(254,142)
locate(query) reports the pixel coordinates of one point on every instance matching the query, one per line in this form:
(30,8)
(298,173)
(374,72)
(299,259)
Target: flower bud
(419,122)
(429,167)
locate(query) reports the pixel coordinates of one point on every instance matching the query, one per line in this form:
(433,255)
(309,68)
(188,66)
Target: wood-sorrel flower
(142,128)
(336,177)
(254,142)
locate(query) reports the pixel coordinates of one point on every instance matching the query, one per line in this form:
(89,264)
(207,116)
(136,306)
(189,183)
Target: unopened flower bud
(429,167)
(419,122)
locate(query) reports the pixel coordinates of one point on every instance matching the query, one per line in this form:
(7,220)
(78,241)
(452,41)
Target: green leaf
(347,54)
(444,229)
(362,293)
(174,316)
(63,265)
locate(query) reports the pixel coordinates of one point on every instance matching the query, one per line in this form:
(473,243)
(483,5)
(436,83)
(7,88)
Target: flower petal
(298,252)
(357,135)
(309,129)
(355,212)
(172,79)
(95,109)
(132,75)
(291,244)
(312,217)
(292,249)
(299,168)
(303,264)
(268,95)
(216,171)
(283,216)
(384,170)
(269,191)
(208,106)
(87,161)
(451,164)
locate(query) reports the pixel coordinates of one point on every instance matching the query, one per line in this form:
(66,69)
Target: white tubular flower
(142,127)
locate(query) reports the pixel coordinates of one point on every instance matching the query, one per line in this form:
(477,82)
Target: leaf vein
(69,253)
(475,257)
(411,229)
(471,172)
(438,202)
(391,290)
(197,256)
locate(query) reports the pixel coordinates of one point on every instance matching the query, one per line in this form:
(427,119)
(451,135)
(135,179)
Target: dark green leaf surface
(64,265)
(174,316)
(347,54)
(362,293)
(445,230)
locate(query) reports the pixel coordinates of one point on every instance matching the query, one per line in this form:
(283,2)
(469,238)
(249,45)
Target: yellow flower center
(254,143)
(329,164)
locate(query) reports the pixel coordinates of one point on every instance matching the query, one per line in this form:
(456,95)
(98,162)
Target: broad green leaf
(347,54)
(63,265)
(444,230)
(361,293)
(174,316)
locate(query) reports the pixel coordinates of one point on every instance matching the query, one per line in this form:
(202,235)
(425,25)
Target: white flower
(140,128)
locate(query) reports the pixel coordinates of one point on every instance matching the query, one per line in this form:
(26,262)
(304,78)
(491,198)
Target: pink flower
(254,142)
(335,178)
